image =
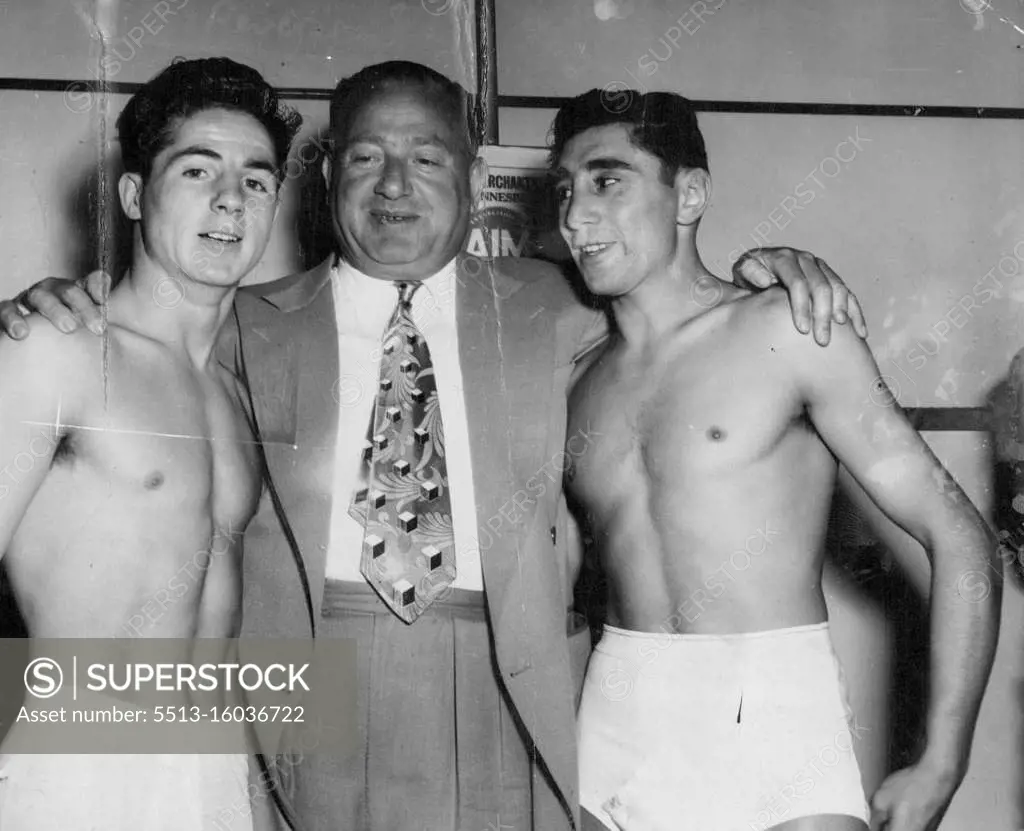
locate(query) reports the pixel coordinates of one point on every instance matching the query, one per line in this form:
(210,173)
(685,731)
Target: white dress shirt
(363,305)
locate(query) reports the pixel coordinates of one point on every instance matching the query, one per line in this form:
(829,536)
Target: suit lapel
(311,476)
(487,416)
(508,374)
(292,361)
(507,363)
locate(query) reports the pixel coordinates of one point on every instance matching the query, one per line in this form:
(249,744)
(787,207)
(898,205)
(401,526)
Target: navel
(153,481)
(716,433)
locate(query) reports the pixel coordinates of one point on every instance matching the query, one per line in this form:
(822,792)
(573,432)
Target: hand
(65,304)
(912,799)
(810,283)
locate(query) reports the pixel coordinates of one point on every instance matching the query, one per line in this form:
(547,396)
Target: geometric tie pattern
(402,497)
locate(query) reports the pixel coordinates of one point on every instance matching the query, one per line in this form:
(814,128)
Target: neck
(665,300)
(183,315)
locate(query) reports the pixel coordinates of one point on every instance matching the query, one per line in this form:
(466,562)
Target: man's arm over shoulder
(859,420)
(41,385)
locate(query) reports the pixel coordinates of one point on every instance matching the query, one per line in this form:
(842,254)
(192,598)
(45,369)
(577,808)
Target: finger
(98,284)
(821,297)
(840,292)
(50,306)
(750,270)
(12,321)
(850,306)
(840,299)
(790,274)
(860,322)
(86,301)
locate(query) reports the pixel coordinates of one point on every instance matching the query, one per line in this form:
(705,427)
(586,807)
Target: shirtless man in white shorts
(717,432)
(148,456)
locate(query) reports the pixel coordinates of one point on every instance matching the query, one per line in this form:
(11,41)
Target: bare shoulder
(49,368)
(47,349)
(767,307)
(769,315)
(754,318)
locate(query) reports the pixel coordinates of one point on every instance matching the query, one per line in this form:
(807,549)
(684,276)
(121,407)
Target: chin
(224,279)
(600,284)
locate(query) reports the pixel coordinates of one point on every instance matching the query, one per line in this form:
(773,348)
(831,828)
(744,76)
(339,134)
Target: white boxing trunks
(716,732)
(110,792)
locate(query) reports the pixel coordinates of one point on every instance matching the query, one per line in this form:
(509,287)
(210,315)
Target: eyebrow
(602,163)
(253,162)
(434,140)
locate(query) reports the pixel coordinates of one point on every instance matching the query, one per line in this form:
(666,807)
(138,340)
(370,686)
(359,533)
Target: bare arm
(866,430)
(220,608)
(35,395)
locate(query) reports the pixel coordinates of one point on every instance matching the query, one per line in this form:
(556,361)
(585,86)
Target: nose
(577,211)
(228,198)
(394,181)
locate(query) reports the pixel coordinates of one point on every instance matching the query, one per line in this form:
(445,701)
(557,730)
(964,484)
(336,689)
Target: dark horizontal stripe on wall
(795,108)
(950,419)
(129,87)
(553,103)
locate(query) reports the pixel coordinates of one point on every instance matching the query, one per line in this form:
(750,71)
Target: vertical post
(486,72)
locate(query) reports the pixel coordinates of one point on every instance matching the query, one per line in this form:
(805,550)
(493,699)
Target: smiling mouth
(385,218)
(220,236)
(594,248)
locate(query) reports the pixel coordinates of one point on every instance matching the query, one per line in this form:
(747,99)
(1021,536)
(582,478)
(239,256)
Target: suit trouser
(438,747)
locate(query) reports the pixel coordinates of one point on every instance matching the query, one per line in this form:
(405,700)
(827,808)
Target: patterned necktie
(402,499)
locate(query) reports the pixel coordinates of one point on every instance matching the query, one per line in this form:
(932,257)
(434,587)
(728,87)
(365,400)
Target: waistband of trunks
(687,637)
(343,596)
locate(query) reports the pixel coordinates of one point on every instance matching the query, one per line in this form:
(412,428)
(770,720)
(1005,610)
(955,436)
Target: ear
(478,172)
(129,188)
(694,188)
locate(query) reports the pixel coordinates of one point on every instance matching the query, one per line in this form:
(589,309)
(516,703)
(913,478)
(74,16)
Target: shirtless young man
(706,490)
(148,456)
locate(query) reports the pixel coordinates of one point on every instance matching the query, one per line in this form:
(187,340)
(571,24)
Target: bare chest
(670,424)
(167,436)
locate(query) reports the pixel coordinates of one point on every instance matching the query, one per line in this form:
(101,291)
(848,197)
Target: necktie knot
(405,293)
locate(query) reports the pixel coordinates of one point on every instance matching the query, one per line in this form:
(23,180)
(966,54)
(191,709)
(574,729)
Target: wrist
(945,765)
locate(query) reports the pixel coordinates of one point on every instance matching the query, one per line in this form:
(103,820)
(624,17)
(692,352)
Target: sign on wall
(517,217)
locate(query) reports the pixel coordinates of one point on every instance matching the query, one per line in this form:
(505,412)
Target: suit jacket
(520,327)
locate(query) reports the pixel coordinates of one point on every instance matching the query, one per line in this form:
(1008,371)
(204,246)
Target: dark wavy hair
(186,87)
(663,124)
(450,98)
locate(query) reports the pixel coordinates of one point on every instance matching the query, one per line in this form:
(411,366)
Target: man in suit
(438,539)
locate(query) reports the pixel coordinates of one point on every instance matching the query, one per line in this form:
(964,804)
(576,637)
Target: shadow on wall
(100,236)
(314,232)
(876,581)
